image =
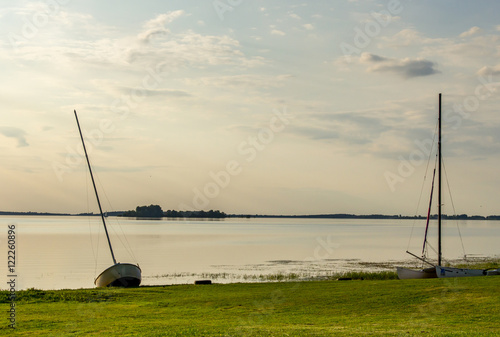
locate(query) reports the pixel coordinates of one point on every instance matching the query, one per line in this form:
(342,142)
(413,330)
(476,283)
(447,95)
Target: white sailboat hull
(459,272)
(406,274)
(120,275)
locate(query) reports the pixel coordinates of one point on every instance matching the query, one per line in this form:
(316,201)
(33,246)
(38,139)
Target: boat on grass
(462,272)
(438,270)
(119,274)
(405,273)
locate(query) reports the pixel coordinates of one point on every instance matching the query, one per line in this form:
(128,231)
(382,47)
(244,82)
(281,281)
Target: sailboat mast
(95,189)
(439,184)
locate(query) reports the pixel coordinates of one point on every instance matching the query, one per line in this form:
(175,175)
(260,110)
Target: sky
(269,107)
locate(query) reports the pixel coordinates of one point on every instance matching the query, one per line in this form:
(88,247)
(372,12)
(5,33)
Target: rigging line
(434,250)
(454,211)
(95,252)
(127,246)
(423,184)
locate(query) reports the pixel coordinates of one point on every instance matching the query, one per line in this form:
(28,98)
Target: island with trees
(155,211)
(151,211)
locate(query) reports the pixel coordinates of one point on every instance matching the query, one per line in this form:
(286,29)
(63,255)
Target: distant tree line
(155,211)
(195,214)
(151,211)
(31,213)
(369,216)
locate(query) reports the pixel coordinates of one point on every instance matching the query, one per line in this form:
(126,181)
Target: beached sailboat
(462,272)
(438,270)
(119,274)
(430,272)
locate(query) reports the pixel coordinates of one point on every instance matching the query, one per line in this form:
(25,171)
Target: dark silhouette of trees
(155,211)
(195,214)
(151,211)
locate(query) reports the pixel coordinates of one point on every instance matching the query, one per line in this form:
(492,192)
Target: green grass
(433,307)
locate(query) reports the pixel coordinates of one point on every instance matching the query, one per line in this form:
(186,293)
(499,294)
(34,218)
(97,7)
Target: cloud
(244,81)
(156,26)
(155,92)
(408,37)
(463,52)
(15,133)
(487,70)
(406,67)
(164,19)
(354,128)
(473,31)
(110,48)
(278,32)
(308,26)
(466,53)
(368,57)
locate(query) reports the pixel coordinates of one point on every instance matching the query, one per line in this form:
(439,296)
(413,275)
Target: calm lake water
(69,251)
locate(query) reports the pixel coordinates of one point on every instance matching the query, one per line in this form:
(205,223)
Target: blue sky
(248,106)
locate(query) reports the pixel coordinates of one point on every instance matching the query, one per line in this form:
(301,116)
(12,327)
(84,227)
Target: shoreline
(271,216)
(351,270)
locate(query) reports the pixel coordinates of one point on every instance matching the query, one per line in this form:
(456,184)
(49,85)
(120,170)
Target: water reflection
(68,252)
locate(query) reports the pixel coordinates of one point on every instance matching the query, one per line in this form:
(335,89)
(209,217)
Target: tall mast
(95,189)
(439,183)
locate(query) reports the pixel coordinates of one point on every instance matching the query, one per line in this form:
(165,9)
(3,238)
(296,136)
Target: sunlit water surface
(56,252)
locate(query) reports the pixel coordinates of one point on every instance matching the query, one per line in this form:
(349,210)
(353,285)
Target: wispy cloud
(156,26)
(353,128)
(487,70)
(407,37)
(473,31)
(407,68)
(156,92)
(16,133)
(461,51)
(277,32)
(244,81)
(154,44)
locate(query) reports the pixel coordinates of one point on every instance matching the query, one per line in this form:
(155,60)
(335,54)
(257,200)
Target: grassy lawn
(433,307)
